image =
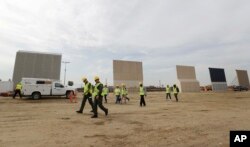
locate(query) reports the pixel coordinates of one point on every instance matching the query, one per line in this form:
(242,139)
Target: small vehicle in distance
(240,88)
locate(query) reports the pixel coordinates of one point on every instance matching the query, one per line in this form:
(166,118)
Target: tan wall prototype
(189,86)
(185,72)
(127,72)
(243,78)
(187,79)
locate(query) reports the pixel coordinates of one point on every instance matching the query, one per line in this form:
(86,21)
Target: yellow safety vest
(105,90)
(87,89)
(117,91)
(167,89)
(96,90)
(142,92)
(175,90)
(19,86)
(124,92)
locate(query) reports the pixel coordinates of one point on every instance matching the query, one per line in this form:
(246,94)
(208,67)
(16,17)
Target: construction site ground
(198,119)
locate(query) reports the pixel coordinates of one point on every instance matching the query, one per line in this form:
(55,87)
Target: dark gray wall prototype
(36,65)
(217,75)
(218,79)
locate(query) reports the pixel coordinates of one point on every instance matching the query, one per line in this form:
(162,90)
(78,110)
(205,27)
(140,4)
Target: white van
(37,87)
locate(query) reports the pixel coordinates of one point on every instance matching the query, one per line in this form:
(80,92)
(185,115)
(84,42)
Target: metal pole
(65,69)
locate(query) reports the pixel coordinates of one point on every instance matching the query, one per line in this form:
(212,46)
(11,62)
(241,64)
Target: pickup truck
(37,87)
(240,88)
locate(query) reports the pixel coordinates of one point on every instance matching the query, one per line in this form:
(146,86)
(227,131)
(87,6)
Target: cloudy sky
(160,33)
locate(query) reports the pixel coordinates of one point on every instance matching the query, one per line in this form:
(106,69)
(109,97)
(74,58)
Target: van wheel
(36,95)
(68,94)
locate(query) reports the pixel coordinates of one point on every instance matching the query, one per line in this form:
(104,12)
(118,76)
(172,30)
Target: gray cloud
(161,33)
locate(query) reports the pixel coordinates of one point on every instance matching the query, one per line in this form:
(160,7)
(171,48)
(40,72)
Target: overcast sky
(160,33)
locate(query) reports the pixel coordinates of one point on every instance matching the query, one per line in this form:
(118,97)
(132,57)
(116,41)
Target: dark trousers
(118,99)
(98,102)
(168,95)
(142,101)
(85,98)
(176,96)
(105,97)
(17,91)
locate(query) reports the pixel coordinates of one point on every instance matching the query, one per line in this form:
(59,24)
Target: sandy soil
(201,119)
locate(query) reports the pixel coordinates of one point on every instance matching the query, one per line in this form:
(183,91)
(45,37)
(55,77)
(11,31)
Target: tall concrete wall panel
(185,72)
(187,79)
(129,73)
(218,79)
(189,85)
(219,86)
(243,78)
(37,65)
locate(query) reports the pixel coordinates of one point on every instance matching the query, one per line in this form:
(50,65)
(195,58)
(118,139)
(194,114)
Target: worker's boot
(78,111)
(94,116)
(107,112)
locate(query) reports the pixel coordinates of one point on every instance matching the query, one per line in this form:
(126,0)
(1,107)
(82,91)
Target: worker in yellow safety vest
(124,93)
(168,92)
(18,90)
(105,92)
(143,93)
(87,92)
(176,91)
(117,92)
(98,96)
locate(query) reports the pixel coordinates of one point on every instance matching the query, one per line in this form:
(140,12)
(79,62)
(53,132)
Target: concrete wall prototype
(243,78)
(187,79)
(219,86)
(36,65)
(129,73)
(218,79)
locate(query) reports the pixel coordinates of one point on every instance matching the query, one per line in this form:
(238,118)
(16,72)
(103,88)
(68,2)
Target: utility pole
(65,62)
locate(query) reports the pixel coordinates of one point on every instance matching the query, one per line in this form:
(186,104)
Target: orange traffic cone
(73,96)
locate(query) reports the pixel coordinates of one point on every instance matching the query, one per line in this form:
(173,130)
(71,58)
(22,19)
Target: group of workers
(175,91)
(98,92)
(121,94)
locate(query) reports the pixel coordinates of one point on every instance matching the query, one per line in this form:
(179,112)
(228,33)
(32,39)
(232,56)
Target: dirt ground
(199,119)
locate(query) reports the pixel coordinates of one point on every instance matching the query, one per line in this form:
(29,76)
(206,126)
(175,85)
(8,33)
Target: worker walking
(142,92)
(87,91)
(176,91)
(105,92)
(18,89)
(168,92)
(98,96)
(117,94)
(124,93)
